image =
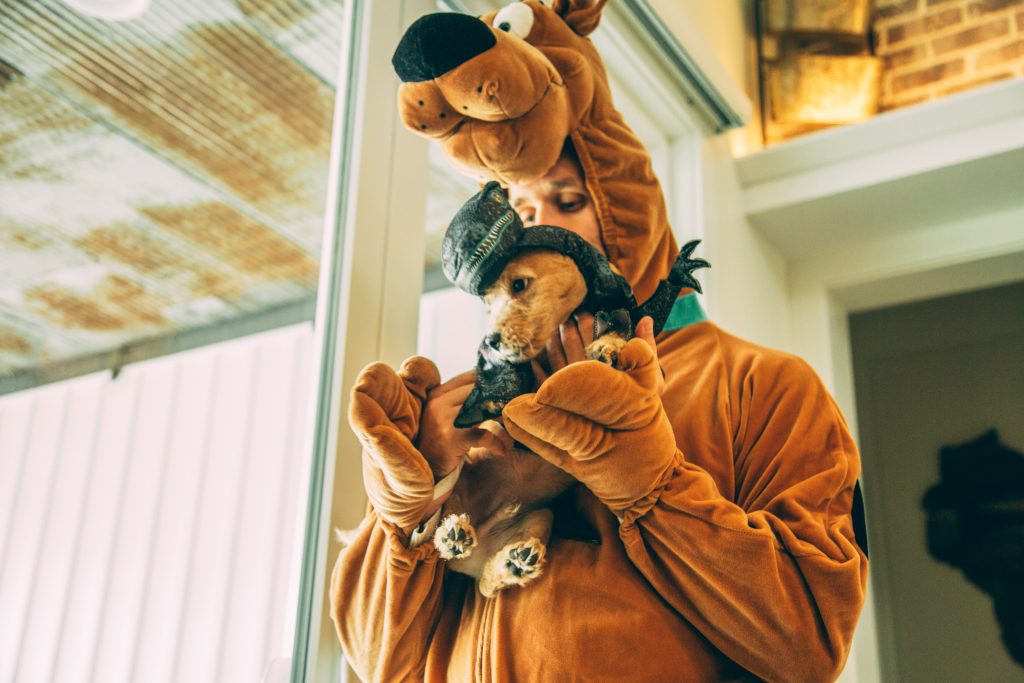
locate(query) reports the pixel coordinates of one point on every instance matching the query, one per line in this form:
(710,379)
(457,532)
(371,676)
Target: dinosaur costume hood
(501,93)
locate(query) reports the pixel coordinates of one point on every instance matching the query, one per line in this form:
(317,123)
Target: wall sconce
(816,65)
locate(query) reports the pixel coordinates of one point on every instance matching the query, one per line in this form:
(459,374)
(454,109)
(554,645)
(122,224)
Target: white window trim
(367,308)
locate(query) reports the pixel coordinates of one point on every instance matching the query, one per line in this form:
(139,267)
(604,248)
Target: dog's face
(535,293)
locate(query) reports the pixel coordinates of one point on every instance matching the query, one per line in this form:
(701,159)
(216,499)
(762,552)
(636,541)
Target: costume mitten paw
(455,537)
(606,427)
(384,413)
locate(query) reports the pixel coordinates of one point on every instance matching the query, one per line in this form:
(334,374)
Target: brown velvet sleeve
(775,579)
(386,602)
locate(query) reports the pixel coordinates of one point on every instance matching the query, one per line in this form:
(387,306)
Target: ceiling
(163,179)
(160,174)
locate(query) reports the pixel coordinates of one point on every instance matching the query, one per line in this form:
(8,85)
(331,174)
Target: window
(162,190)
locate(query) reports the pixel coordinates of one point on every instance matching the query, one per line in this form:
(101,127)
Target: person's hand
(605,426)
(441,442)
(385,413)
(574,336)
(567,346)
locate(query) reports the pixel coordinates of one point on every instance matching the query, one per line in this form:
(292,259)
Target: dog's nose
(493,340)
(437,43)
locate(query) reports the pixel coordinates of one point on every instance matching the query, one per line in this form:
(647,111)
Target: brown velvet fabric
(505,114)
(605,426)
(734,560)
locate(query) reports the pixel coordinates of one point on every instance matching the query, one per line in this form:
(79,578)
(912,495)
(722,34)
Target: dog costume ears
(583,16)
(501,93)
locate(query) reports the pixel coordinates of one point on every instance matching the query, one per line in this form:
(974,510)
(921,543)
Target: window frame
(367,308)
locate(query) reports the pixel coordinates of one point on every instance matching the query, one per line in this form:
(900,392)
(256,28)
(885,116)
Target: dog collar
(686,311)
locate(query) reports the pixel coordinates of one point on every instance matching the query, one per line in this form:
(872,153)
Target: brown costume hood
(502,93)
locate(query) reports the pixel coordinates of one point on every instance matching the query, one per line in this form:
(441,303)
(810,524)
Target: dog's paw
(492,407)
(516,564)
(606,349)
(455,537)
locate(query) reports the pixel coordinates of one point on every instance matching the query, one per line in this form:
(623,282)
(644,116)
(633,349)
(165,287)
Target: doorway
(929,374)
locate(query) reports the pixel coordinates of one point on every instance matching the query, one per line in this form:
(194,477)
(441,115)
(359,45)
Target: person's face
(560,198)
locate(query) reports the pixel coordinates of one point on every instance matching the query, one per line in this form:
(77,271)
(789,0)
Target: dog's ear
(471,413)
(582,16)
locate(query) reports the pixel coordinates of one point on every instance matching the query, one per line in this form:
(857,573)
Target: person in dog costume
(711,537)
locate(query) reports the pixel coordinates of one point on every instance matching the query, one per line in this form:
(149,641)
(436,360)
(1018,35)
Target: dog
(532,280)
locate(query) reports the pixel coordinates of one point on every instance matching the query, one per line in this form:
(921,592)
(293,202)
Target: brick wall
(934,48)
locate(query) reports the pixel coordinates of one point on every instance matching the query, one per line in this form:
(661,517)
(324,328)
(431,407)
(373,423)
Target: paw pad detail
(606,349)
(455,537)
(514,565)
(521,560)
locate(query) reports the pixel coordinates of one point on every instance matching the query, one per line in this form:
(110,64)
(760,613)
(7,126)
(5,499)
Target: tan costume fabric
(740,549)
(387,406)
(719,542)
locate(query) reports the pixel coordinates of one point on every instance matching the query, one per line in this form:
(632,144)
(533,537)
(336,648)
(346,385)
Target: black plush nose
(437,43)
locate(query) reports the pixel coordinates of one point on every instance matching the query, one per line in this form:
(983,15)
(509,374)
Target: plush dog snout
(437,43)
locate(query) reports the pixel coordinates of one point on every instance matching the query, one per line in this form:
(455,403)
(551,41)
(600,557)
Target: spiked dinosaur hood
(502,92)
(487,233)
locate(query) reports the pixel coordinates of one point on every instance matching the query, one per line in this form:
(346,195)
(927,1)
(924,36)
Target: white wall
(746,288)
(746,285)
(452,323)
(151,526)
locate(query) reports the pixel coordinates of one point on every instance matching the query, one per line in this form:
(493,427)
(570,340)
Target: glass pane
(163,182)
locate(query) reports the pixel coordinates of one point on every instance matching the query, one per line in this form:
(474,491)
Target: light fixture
(111,10)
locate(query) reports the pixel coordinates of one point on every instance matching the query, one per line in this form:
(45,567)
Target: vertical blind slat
(24,542)
(96,540)
(153,659)
(151,525)
(16,418)
(53,572)
(211,559)
(140,492)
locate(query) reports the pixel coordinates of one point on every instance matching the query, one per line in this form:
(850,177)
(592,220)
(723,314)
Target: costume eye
(516,19)
(519,285)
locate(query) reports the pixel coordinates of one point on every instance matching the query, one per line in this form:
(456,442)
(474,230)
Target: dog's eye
(519,285)
(516,19)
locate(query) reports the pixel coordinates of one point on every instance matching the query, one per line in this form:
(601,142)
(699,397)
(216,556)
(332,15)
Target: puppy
(506,496)
(532,279)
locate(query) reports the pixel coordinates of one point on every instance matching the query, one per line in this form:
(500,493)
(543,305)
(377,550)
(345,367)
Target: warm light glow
(824,89)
